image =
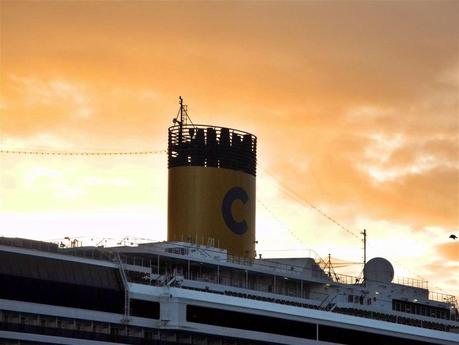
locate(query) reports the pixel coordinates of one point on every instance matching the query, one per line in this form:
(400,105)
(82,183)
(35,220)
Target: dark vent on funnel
(208,146)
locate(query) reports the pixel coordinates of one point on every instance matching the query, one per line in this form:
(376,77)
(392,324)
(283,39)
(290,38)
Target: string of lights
(292,193)
(80,153)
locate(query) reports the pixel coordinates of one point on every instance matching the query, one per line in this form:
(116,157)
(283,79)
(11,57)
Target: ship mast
(364,233)
(181,119)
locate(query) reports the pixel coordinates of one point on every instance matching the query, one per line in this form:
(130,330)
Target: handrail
(286,268)
(201,125)
(443,297)
(125,282)
(419,283)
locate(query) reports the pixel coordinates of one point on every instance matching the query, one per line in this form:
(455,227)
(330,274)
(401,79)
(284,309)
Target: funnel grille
(209,146)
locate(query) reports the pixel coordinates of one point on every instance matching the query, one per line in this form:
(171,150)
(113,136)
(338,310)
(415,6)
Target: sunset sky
(355,105)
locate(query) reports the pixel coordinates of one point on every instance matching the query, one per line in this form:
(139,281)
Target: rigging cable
(312,252)
(307,203)
(287,190)
(310,204)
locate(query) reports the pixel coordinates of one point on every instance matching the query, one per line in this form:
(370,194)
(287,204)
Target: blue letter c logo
(235,193)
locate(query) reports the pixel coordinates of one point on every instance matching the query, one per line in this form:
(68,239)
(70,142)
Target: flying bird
(453,236)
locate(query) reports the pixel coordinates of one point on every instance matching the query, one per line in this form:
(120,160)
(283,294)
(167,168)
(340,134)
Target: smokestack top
(211,146)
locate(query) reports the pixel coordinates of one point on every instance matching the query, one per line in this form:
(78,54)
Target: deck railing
(442,297)
(265,264)
(419,283)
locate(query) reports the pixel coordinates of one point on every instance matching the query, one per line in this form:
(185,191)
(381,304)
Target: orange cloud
(355,105)
(449,251)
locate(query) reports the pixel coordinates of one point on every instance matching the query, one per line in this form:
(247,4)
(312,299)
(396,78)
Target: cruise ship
(205,284)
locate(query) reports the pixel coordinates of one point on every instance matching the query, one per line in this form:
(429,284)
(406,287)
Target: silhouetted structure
(208,146)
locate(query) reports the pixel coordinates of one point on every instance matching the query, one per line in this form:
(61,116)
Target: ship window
(177,250)
(420,309)
(148,335)
(351,337)
(88,287)
(251,322)
(144,308)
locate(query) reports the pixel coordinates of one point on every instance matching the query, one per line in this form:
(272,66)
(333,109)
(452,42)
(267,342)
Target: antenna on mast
(364,233)
(329,265)
(182,118)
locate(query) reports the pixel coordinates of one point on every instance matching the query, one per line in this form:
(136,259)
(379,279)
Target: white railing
(442,297)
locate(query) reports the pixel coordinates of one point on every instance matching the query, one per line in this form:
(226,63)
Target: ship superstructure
(205,285)
(188,293)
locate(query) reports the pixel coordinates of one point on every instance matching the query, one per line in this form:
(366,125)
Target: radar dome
(379,269)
